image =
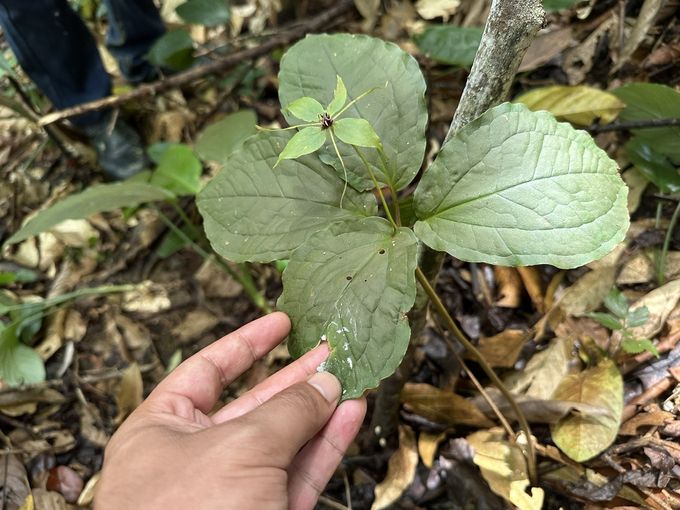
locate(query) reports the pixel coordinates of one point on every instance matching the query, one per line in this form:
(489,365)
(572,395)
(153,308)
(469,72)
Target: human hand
(275,447)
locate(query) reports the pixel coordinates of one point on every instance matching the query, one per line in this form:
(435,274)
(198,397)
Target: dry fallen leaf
(13,482)
(644,420)
(442,406)
(504,467)
(503,349)
(588,293)
(87,496)
(427,446)
(130,393)
(510,286)
(660,303)
(430,9)
(401,469)
(194,325)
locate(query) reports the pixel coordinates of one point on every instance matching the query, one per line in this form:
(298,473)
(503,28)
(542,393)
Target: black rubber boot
(120,151)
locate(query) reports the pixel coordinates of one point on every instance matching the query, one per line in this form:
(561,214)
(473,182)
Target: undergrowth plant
(513,187)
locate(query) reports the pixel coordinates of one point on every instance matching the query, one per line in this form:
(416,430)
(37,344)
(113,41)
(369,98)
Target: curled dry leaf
(430,9)
(509,285)
(130,393)
(660,303)
(442,406)
(401,469)
(583,436)
(87,496)
(427,446)
(534,285)
(504,467)
(15,488)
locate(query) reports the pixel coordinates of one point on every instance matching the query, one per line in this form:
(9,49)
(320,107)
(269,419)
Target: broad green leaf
(356,132)
(646,101)
(636,346)
(637,317)
(252,212)
(617,303)
(102,198)
(173,49)
(221,138)
(448,44)
(608,321)
(155,152)
(515,187)
(396,111)
(583,436)
(558,5)
(352,284)
(339,98)
(19,364)
(305,141)
(179,171)
(580,104)
(656,167)
(305,108)
(205,12)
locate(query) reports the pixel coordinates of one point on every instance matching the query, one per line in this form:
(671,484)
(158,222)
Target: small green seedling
(623,319)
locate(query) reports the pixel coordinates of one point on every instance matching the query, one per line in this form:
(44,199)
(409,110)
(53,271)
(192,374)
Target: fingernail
(327,384)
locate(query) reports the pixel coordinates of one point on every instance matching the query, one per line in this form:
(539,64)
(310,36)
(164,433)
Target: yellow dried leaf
(401,469)
(442,406)
(502,350)
(580,105)
(427,446)
(504,468)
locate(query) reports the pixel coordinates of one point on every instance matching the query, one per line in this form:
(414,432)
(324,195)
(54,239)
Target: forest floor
(103,353)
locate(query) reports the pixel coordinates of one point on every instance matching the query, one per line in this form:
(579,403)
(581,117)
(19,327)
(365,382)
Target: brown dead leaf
(130,393)
(194,325)
(534,285)
(545,370)
(664,54)
(545,47)
(148,297)
(91,424)
(427,446)
(75,233)
(442,406)
(660,303)
(13,482)
(503,349)
(504,467)
(216,283)
(641,268)
(588,293)
(655,418)
(509,285)
(401,469)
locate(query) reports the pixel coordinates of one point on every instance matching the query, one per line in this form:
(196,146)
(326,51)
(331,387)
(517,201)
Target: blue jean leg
(134,26)
(55,48)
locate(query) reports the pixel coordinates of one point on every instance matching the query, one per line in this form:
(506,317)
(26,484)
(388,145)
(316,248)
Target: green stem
(246,282)
(181,213)
(451,325)
(377,186)
(395,201)
(661,277)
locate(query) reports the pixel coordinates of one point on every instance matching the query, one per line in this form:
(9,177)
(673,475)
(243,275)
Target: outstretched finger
(202,377)
(314,465)
(295,372)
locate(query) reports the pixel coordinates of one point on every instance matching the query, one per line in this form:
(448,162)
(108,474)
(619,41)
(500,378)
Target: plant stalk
(453,328)
(510,29)
(377,186)
(661,277)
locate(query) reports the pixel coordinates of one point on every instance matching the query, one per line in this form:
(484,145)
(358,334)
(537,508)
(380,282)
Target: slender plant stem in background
(247,283)
(661,277)
(657,252)
(451,325)
(377,187)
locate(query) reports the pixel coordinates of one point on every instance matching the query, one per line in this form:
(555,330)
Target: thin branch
(320,22)
(637,124)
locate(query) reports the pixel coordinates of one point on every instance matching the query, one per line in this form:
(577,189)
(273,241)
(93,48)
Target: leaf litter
(615,413)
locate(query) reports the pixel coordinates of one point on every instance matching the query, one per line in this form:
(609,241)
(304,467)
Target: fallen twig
(322,21)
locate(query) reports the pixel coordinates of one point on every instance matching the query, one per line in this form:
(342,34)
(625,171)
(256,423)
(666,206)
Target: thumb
(289,419)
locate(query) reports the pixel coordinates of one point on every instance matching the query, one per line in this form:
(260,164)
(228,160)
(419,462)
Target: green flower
(322,122)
